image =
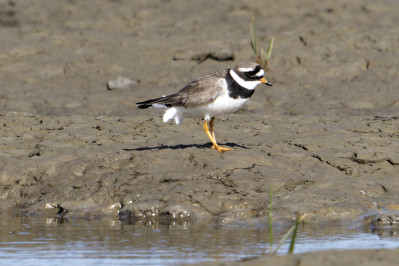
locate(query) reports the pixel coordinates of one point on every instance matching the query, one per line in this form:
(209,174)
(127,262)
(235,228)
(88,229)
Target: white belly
(223,105)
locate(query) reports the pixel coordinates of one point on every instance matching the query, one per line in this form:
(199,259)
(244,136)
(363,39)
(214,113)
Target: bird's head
(249,75)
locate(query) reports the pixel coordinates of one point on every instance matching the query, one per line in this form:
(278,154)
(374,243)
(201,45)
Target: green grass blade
(283,239)
(270,218)
(262,58)
(253,37)
(269,50)
(295,227)
(292,244)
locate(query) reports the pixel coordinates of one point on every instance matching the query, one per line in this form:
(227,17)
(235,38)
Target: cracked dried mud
(325,136)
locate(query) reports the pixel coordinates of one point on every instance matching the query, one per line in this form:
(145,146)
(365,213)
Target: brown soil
(325,136)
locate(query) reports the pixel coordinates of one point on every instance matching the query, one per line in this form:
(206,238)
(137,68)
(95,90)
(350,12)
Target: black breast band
(236,90)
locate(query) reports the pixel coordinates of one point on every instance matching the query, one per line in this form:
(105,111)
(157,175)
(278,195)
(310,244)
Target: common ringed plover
(218,93)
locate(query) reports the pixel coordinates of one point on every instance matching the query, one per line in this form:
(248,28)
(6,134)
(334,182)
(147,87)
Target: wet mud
(324,137)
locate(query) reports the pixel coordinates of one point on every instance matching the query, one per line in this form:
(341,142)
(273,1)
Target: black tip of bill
(264,81)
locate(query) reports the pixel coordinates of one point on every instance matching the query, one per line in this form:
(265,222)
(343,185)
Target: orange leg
(211,136)
(211,131)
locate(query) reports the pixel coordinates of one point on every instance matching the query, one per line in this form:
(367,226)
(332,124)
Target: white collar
(249,85)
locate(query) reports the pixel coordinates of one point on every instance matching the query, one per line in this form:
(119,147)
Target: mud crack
(346,170)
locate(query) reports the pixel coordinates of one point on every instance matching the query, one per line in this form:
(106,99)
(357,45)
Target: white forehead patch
(245,69)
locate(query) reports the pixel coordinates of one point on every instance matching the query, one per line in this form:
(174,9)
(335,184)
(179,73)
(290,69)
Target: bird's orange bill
(264,81)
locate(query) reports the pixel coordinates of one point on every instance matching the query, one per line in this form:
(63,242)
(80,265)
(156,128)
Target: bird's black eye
(255,76)
(255,73)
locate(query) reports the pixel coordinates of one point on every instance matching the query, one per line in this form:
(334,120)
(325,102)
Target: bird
(221,92)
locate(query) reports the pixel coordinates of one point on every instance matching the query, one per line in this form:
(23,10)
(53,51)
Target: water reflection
(52,241)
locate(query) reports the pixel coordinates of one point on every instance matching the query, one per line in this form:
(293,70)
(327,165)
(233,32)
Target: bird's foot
(221,149)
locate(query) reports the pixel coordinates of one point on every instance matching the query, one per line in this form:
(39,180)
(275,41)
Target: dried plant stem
(261,57)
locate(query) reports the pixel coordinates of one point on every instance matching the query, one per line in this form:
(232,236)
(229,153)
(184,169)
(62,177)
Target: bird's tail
(162,102)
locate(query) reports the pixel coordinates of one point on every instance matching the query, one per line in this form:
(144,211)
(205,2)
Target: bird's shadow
(185,146)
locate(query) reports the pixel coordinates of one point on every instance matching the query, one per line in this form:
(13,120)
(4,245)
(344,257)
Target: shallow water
(49,241)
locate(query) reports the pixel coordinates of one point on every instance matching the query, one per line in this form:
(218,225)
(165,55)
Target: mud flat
(325,136)
(327,167)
